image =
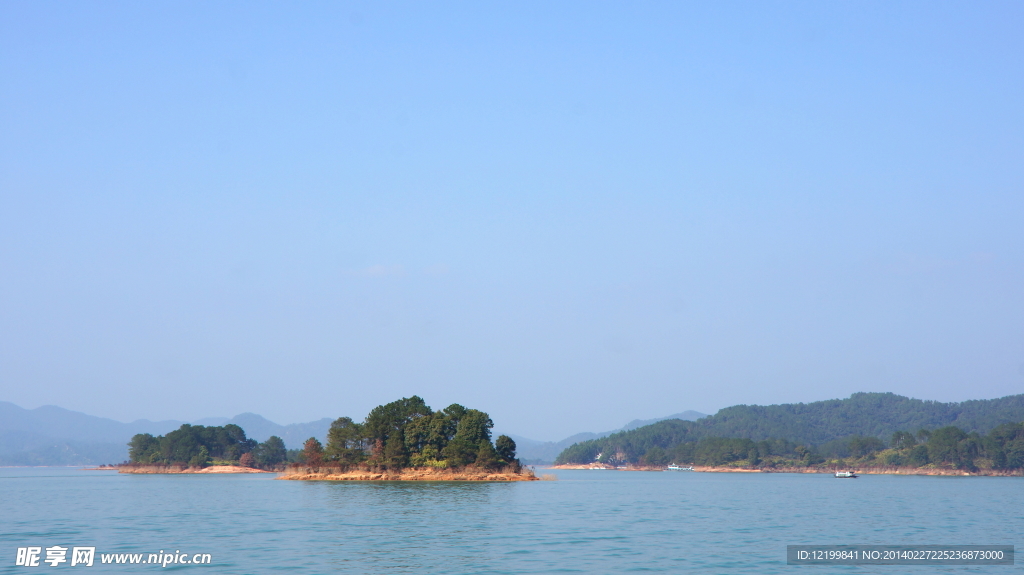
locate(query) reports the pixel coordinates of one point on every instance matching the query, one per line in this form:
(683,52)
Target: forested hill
(868,414)
(862,414)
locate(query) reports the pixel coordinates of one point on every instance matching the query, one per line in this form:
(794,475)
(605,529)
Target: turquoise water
(586,522)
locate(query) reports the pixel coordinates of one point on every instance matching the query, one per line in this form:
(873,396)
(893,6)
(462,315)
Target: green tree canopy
(390,419)
(407,432)
(505,448)
(271,452)
(188,442)
(345,441)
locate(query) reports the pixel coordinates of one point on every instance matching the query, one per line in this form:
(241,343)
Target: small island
(404,440)
(202,449)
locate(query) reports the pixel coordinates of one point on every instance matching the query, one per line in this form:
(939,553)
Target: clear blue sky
(569,215)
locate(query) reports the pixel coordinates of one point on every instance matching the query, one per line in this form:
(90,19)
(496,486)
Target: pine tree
(506,448)
(395,456)
(201,458)
(486,456)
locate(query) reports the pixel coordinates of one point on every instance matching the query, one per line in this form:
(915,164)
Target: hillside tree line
(869,428)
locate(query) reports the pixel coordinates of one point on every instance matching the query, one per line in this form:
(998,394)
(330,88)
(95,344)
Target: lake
(585,522)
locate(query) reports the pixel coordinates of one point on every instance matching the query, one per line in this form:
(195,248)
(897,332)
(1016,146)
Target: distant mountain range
(260,428)
(536,452)
(51,435)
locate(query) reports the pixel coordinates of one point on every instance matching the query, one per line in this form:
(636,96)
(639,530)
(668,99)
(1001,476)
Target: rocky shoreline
(412,474)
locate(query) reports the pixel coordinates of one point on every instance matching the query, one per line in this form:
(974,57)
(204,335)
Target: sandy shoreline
(154,469)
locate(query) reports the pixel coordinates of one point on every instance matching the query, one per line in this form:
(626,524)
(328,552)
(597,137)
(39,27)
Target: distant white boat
(677,468)
(846,474)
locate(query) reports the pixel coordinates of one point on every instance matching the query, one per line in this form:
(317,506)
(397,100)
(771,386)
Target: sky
(569,215)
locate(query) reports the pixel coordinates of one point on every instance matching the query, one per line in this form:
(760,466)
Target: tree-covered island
(198,446)
(407,440)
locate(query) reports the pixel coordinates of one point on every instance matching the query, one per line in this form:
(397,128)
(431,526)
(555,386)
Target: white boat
(846,475)
(677,468)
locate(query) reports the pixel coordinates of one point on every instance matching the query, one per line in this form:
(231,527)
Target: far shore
(860,471)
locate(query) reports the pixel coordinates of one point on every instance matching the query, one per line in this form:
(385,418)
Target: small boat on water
(677,468)
(846,475)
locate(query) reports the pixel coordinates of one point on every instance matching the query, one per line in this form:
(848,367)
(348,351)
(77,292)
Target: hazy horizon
(222,419)
(569,216)
(499,429)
